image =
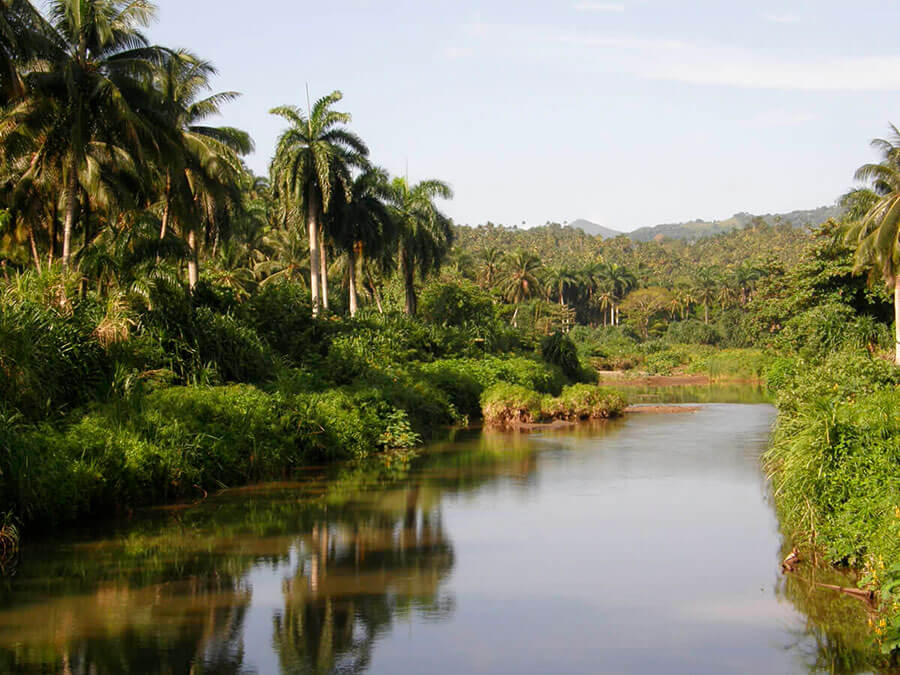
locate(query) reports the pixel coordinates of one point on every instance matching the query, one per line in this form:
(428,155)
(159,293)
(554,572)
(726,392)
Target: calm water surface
(646,545)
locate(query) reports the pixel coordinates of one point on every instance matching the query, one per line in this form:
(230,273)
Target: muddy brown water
(646,545)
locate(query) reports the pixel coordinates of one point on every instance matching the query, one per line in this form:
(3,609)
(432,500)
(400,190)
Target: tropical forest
(302,420)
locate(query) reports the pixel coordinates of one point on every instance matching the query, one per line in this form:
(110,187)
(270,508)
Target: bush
(693,331)
(457,304)
(584,401)
(560,351)
(505,404)
(281,314)
(49,362)
(510,404)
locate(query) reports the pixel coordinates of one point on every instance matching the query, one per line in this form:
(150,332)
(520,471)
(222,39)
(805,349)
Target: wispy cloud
(598,7)
(780,18)
(692,63)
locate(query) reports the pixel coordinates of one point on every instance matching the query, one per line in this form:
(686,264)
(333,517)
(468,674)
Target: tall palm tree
(88,115)
(314,157)
(202,167)
(425,234)
(876,235)
(521,279)
(622,281)
(362,225)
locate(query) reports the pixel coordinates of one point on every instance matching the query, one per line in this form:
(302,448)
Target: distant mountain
(697,229)
(594,229)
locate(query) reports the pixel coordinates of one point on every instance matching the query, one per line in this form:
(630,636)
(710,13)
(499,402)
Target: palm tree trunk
(34,251)
(312,211)
(409,283)
(897,321)
(373,289)
(193,258)
(515,316)
(351,254)
(706,313)
(323,269)
(69,224)
(168,207)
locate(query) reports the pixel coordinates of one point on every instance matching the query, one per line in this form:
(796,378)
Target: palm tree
(362,225)
(521,279)
(622,281)
(425,234)
(24,36)
(705,288)
(314,157)
(203,170)
(88,116)
(490,261)
(876,235)
(558,279)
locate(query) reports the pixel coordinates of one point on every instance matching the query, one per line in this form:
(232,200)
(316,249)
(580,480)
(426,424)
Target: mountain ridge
(697,229)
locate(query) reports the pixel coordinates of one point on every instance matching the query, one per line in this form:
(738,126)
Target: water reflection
(642,545)
(835,637)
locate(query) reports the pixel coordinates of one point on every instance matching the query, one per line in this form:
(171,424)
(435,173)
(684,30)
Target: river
(645,545)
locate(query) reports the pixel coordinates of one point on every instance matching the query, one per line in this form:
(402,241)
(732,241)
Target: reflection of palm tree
(353,580)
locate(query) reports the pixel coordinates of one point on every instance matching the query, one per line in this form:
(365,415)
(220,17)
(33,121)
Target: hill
(594,229)
(698,229)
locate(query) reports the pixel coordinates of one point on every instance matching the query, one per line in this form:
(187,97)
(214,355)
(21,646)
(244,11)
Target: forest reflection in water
(566,549)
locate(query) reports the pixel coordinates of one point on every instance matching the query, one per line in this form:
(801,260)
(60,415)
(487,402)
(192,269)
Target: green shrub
(693,331)
(234,349)
(281,314)
(49,362)
(458,304)
(584,401)
(504,404)
(664,362)
(559,350)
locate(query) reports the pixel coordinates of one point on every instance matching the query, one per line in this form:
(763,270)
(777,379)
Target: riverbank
(834,470)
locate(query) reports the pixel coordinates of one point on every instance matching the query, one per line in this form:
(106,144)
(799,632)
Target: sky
(625,113)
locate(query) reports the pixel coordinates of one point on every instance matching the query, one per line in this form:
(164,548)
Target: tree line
(112,167)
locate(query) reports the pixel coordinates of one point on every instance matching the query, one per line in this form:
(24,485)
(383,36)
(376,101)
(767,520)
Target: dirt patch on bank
(624,378)
(662,408)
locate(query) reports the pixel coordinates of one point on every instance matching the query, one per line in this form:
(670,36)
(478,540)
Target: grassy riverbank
(105,408)
(834,468)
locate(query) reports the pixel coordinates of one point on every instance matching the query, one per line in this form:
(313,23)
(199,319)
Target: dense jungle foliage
(171,323)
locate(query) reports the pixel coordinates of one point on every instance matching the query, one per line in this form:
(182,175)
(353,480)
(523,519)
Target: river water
(645,545)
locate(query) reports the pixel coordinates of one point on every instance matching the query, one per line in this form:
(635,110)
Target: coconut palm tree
(490,261)
(521,280)
(24,36)
(314,158)
(202,173)
(622,281)
(558,279)
(425,234)
(88,119)
(705,288)
(362,225)
(876,235)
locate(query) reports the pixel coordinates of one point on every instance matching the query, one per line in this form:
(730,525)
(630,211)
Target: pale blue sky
(626,113)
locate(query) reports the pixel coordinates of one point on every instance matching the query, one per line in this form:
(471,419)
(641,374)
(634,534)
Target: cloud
(780,18)
(598,7)
(692,63)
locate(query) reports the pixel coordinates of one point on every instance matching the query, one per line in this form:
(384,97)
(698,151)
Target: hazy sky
(626,113)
